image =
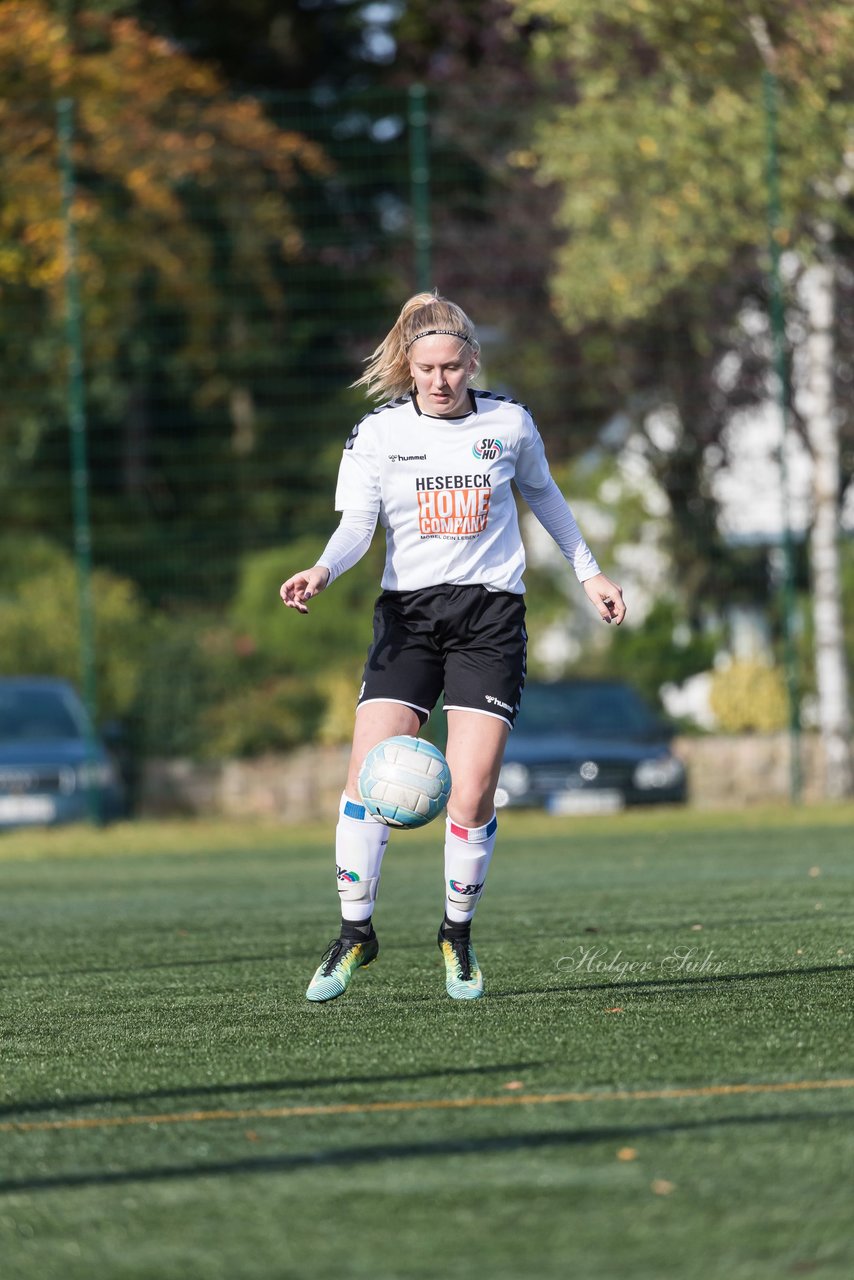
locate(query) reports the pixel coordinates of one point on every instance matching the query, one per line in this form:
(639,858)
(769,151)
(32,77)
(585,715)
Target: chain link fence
(189,283)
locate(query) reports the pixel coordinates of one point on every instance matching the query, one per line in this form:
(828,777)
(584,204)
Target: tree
(495,239)
(341,45)
(184,216)
(492,223)
(659,162)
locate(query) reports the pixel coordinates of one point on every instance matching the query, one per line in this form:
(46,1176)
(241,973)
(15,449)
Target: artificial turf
(172,1107)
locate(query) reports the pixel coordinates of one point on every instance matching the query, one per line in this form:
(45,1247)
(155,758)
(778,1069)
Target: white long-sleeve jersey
(441,488)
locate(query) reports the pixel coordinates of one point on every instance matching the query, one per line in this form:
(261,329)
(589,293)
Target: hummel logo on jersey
(497,702)
(407,457)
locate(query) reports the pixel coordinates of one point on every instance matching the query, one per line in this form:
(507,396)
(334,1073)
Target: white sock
(360,841)
(468,853)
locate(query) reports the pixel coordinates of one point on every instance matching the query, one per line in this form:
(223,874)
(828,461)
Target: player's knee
(471,805)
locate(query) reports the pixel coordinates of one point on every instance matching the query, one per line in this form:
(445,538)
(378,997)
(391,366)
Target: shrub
(40,631)
(663,649)
(188,684)
(337,631)
(184,672)
(749,697)
(22,558)
(275,716)
(338,690)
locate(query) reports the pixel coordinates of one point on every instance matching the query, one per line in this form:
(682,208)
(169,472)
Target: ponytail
(387,373)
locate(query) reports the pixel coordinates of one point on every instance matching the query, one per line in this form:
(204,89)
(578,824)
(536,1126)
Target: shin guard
(468,853)
(360,842)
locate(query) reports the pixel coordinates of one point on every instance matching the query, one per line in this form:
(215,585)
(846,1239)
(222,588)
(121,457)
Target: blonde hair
(387,374)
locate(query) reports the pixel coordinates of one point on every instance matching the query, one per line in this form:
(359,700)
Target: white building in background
(748,484)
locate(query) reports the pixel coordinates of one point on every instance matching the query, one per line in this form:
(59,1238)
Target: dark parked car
(586,746)
(51,766)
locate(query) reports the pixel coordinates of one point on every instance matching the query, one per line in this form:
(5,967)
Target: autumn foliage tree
(186,234)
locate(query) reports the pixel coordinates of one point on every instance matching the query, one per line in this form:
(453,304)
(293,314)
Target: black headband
(426,333)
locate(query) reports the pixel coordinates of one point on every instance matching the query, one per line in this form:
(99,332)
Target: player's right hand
(304,586)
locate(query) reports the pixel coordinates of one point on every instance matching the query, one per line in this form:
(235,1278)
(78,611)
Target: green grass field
(659,1082)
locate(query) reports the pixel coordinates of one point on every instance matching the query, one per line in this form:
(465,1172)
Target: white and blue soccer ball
(405,782)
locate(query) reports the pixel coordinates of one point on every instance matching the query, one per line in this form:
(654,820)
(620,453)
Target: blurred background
(211,211)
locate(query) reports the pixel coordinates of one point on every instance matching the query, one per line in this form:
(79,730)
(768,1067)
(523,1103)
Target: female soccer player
(435,463)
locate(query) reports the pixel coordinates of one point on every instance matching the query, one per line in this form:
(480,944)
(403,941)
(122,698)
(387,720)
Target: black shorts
(466,640)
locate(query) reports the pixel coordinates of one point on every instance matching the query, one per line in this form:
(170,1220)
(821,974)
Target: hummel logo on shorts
(496,702)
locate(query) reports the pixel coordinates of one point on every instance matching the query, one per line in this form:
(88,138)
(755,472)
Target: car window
(600,710)
(36,715)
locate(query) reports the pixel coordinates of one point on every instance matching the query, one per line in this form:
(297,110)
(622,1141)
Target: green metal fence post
(781,364)
(419,183)
(77,429)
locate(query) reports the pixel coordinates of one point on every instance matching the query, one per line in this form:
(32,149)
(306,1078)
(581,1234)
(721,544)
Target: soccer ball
(405,782)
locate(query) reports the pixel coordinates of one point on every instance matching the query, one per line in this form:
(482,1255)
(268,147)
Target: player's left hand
(606,597)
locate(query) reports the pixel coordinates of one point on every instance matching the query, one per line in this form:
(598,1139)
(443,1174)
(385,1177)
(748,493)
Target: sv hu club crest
(488,449)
